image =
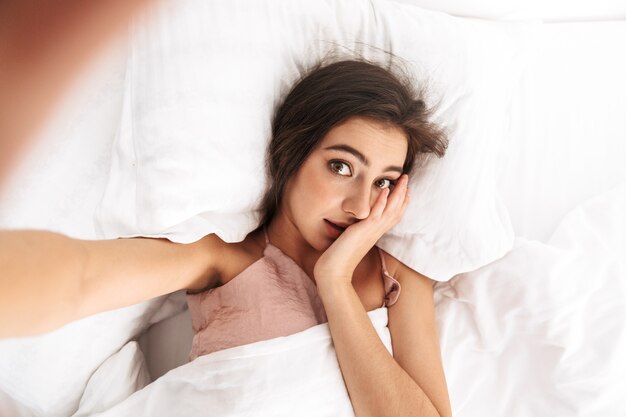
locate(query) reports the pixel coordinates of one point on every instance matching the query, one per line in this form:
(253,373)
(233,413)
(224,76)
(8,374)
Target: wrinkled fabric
(273,297)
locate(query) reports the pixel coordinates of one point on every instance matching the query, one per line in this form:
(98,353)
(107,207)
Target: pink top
(272,297)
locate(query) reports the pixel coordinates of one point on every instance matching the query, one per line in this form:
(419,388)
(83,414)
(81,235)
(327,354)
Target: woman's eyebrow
(360,156)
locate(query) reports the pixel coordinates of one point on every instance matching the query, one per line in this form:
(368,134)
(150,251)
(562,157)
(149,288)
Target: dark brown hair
(329,94)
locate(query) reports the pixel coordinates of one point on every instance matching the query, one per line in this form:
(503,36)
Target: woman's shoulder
(251,246)
(228,259)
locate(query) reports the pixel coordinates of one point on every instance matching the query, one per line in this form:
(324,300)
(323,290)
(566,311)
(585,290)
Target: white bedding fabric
(122,374)
(297,375)
(546,10)
(533,334)
(541,332)
(568,131)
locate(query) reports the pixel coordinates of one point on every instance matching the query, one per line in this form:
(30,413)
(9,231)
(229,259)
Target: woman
(343,141)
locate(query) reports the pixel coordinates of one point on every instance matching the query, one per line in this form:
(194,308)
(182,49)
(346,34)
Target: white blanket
(289,376)
(540,332)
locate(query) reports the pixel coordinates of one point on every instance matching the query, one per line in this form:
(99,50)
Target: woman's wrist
(334,289)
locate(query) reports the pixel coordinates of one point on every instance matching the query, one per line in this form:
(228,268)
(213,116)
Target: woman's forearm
(40,279)
(377,385)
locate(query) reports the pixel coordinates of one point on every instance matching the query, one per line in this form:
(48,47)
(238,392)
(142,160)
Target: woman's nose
(358,202)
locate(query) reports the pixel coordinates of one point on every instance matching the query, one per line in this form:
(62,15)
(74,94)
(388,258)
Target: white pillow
(204,77)
(550,11)
(115,380)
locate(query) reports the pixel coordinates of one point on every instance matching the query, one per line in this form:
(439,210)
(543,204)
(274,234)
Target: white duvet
(540,332)
(291,376)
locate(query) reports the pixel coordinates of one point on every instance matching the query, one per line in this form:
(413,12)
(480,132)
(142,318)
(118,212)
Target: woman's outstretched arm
(48,279)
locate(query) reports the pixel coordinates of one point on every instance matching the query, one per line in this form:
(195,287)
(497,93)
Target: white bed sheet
(569,129)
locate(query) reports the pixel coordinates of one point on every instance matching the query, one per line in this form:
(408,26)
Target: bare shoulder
(229,259)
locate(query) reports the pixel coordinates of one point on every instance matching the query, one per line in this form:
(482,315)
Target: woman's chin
(321,242)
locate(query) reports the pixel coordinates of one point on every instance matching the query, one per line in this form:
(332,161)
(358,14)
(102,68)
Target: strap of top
(267,239)
(382,259)
(392,286)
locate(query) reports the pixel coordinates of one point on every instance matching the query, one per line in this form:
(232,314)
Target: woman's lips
(332,229)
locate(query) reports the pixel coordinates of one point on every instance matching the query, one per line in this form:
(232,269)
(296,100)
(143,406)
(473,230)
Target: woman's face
(341,178)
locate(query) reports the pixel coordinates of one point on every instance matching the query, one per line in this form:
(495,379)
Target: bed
(535,328)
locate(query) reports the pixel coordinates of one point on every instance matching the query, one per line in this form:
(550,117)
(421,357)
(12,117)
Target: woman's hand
(338,262)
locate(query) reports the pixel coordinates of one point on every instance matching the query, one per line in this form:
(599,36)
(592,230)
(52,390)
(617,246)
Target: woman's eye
(385,183)
(340,167)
